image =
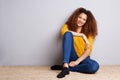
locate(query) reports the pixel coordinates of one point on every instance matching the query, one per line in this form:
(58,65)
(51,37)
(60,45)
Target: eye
(79,17)
(84,19)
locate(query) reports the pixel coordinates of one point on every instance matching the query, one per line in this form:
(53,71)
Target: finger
(71,64)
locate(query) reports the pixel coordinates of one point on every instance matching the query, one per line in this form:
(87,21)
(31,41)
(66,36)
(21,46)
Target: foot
(63,73)
(56,67)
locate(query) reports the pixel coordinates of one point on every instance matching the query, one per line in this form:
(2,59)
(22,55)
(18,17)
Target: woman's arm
(65,29)
(84,56)
(82,35)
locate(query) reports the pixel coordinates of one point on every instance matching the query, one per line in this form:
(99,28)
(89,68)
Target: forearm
(80,59)
(81,35)
(75,33)
(84,56)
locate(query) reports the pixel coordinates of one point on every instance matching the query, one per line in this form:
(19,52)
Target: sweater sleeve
(90,38)
(64,29)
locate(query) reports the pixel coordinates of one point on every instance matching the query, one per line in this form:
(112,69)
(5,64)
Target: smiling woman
(78,34)
(81,19)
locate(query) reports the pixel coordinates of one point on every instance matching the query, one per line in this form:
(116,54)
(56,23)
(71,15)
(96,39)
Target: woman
(78,33)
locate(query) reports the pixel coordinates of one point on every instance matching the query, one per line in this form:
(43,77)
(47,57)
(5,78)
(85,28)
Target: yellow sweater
(79,43)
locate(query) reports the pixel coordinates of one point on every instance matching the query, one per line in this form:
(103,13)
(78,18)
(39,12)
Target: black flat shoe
(56,67)
(63,73)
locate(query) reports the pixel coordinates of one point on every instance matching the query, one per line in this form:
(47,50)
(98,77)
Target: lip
(79,24)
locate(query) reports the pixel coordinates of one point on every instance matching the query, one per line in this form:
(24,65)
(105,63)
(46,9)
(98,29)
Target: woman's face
(82,18)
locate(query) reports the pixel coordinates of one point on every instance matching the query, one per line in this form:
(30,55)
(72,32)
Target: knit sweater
(79,43)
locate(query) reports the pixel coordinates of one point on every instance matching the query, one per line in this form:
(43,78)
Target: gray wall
(29,30)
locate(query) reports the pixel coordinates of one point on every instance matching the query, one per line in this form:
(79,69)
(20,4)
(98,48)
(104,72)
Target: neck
(79,29)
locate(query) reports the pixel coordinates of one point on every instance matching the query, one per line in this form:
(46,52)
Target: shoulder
(64,29)
(65,25)
(90,37)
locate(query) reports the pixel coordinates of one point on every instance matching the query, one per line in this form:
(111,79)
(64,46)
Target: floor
(108,72)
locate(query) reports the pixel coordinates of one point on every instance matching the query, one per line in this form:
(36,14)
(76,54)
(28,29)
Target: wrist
(77,62)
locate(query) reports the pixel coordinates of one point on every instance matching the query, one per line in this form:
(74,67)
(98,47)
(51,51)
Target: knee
(94,67)
(67,34)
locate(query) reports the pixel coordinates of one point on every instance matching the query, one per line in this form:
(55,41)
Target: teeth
(79,24)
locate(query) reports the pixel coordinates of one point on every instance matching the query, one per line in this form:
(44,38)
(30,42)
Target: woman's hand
(73,63)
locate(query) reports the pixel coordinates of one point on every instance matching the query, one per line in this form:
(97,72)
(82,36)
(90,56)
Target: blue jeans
(86,66)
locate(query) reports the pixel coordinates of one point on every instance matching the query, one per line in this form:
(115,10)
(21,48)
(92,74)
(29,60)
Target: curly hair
(89,28)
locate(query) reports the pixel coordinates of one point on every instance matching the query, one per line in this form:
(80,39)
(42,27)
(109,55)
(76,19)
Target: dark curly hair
(90,27)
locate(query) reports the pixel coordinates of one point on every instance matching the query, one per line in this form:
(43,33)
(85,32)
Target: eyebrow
(81,17)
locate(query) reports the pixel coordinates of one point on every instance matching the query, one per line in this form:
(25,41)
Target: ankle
(65,65)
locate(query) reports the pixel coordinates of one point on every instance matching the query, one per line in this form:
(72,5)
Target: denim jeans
(86,66)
